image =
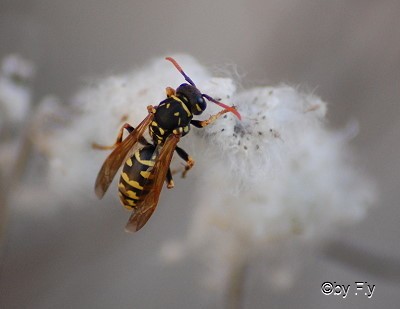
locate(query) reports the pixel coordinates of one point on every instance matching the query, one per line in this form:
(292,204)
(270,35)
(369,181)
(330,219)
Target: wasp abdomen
(135,176)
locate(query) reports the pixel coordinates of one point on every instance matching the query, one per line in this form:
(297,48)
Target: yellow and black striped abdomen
(135,176)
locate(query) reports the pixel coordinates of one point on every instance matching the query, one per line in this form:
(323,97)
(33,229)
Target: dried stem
(11,178)
(3,208)
(236,284)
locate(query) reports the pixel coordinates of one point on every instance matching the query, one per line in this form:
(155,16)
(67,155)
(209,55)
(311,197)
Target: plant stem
(236,284)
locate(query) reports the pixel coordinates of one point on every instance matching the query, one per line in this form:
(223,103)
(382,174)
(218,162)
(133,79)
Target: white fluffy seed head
(271,173)
(279,171)
(16,74)
(278,174)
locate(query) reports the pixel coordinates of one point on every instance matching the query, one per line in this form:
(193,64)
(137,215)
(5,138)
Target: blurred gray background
(347,52)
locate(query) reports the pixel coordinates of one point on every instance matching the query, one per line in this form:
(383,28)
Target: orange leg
(204,123)
(126,126)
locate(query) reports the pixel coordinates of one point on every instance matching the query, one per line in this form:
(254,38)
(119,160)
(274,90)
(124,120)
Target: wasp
(146,165)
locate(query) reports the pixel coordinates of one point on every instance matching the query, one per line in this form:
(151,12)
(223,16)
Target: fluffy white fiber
(277,179)
(277,174)
(15,95)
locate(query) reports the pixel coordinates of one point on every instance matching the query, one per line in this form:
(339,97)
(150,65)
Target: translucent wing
(119,156)
(148,204)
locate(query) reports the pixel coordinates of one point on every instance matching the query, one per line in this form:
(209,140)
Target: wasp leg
(189,160)
(169,180)
(204,123)
(118,141)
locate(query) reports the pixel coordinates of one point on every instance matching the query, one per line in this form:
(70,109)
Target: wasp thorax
(195,100)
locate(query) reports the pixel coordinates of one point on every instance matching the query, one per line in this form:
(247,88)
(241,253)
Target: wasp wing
(119,155)
(148,204)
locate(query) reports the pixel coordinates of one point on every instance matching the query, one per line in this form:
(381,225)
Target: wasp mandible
(147,164)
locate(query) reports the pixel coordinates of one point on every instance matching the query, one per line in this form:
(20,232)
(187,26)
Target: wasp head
(194,97)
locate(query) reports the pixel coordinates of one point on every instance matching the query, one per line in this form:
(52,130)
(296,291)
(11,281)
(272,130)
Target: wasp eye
(201,101)
(200,105)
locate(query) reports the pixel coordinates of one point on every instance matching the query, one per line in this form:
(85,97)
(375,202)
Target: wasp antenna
(227,107)
(178,67)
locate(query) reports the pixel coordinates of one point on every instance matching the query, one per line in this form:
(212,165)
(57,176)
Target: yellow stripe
(130,203)
(145,174)
(131,194)
(161,131)
(176,98)
(144,162)
(129,162)
(121,187)
(183,105)
(186,109)
(154,124)
(132,183)
(168,105)
(123,200)
(176,114)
